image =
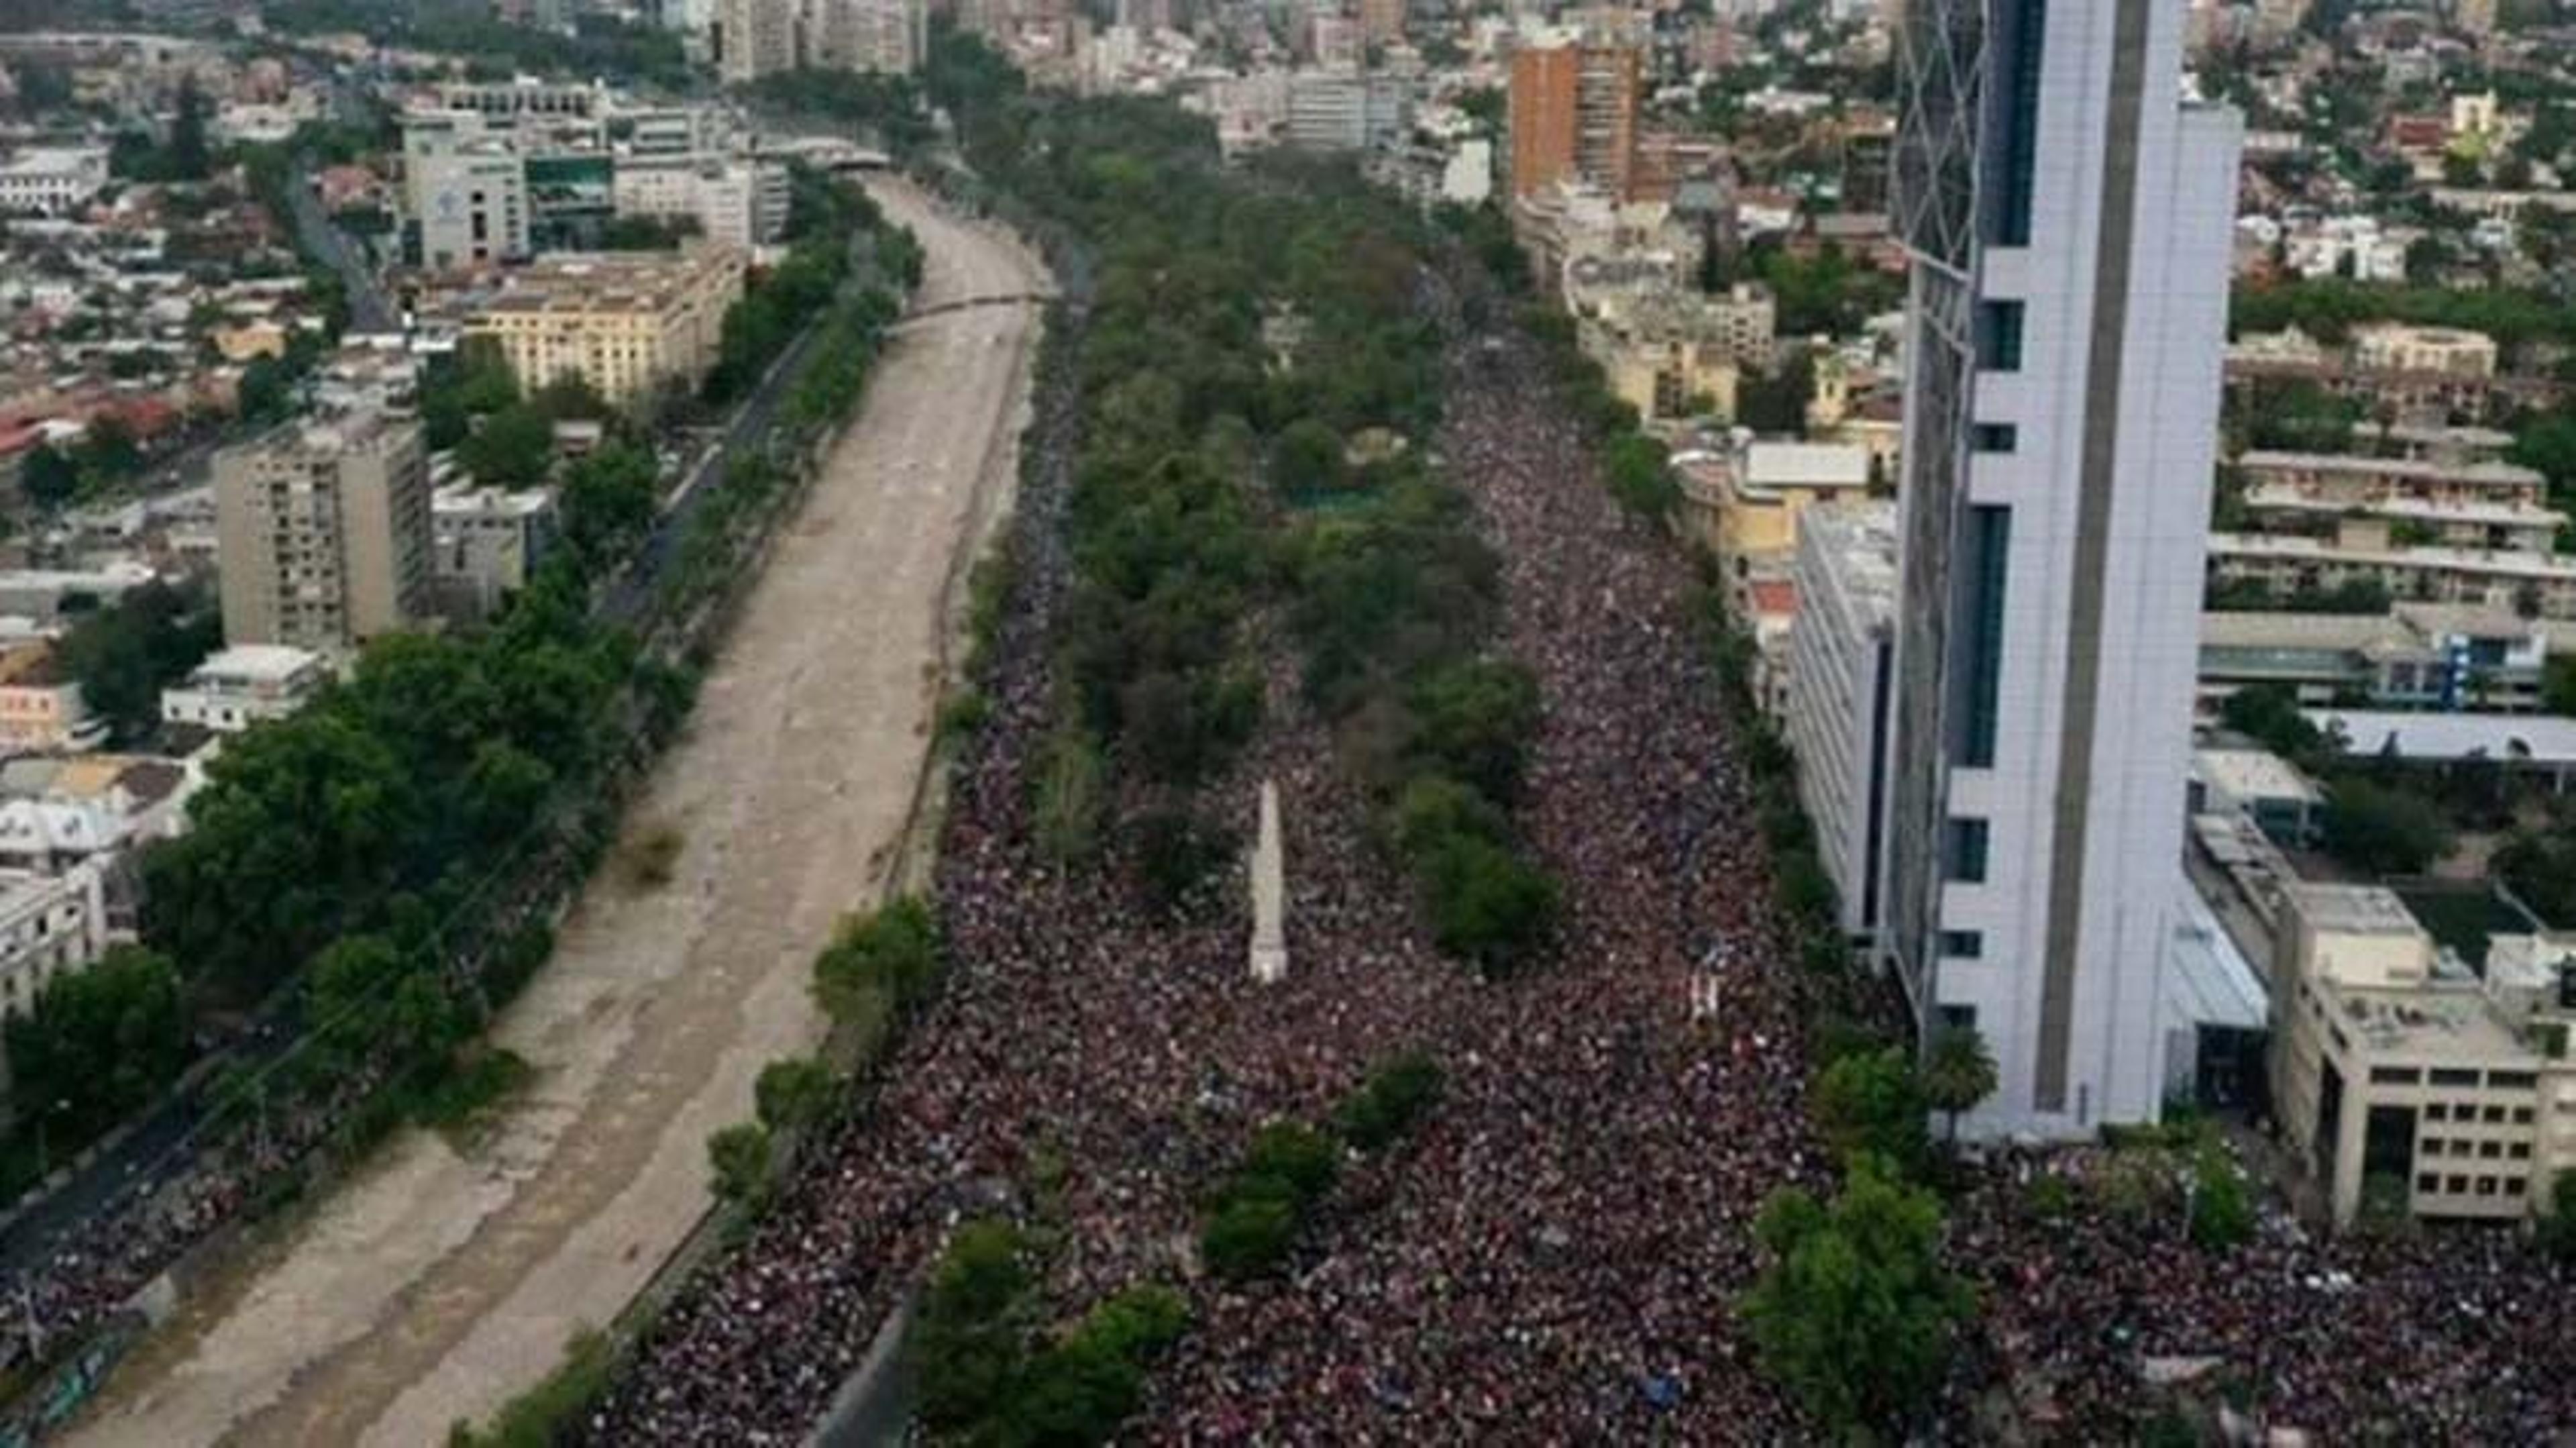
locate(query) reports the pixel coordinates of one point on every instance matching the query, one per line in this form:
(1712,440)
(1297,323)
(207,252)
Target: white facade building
(1842,680)
(52,180)
(464,192)
(49,925)
(2069,219)
(488,542)
(1346,112)
(243,685)
(739,203)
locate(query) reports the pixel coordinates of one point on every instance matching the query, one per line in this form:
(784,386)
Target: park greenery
(1258,379)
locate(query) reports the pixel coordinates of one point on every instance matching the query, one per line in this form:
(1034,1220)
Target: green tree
(607,503)
(2270,715)
(2557,1225)
(1473,722)
(2540,867)
(2383,829)
(2222,1209)
(1775,403)
(512,449)
(1486,906)
(1640,475)
(49,475)
(2558,685)
(1853,1312)
(124,654)
(98,1044)
(967,1348)
(108,451)
(1306,458)
(889,960)
(2548,446)
(794,1094)
(1870,1103)
(1957,1073)
(738,1159)
(1389,1102)
(190,156)
(1249,1234)
(267,390)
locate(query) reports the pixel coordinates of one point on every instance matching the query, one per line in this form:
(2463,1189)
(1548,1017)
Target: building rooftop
(2289,497)
(2353,909)
(2251,774)
(467,500)
(1805,465)
(2445,1020)
(1860,535)
(2211,982)
(2487,471)
(256,663)
(2533,738)
(2280,629)
(2536,567)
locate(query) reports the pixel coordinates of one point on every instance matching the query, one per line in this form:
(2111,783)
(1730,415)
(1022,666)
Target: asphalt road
(370,311)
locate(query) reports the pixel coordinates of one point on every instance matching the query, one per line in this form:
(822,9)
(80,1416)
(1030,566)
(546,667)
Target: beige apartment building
(41,706)
(2447,351)
(630,323)
(323,533)
(2396,1067)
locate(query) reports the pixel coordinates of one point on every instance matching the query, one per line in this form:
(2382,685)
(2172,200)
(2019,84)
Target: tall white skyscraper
(2068,217)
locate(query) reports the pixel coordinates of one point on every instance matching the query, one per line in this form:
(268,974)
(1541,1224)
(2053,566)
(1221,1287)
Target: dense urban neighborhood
(1064,721)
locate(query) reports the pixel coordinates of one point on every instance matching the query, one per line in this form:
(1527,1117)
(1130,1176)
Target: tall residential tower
(2068,216)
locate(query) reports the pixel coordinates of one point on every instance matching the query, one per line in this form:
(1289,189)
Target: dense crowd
(1554,1255)
(1557,1248)
(2454,1335)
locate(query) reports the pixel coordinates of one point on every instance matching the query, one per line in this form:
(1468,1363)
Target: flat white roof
(262,663)
(2532,738)
(2251,774)
(1806,465)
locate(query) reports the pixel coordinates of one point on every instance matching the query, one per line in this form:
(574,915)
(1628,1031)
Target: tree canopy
(1853,1312)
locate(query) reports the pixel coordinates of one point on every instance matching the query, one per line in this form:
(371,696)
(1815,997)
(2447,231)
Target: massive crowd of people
(1554,1255)
(1556,1249)
(2445,1335)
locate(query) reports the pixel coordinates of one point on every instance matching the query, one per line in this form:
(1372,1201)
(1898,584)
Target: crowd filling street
(1555,1255)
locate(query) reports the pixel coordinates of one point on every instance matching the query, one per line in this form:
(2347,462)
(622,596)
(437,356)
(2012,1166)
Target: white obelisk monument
(1269,894)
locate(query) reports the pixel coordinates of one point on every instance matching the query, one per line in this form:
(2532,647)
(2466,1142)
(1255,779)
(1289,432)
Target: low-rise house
(41,707)
(244,685)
